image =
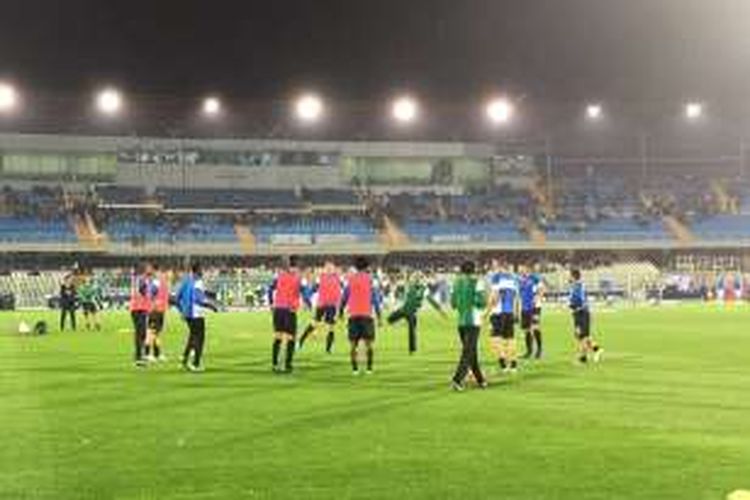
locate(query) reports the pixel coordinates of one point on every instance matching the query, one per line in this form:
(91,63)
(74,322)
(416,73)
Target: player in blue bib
(579,305)
(531,291)
(503,309)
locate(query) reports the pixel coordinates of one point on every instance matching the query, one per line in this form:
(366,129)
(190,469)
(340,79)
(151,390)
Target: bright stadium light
(211,106)
(405,109)
(309,108)
(109,101)
(693,110)
(8,98)
(499,111)
(594,111)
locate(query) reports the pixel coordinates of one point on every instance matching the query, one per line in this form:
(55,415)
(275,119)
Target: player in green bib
(90,299)
(469,300)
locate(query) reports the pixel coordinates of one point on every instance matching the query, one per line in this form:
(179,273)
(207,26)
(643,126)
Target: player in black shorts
(503,306)
(327,290)
(361,300)
(579,305)
(286,293)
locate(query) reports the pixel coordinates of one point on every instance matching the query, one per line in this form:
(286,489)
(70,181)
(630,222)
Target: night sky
(355,51)
(563,49)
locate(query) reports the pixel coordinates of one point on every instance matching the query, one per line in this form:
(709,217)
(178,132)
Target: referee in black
(68,303)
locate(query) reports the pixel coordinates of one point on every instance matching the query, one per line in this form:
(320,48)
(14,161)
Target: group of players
(500,298)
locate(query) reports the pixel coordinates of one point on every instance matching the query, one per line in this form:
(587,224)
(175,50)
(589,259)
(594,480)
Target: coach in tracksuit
(192,302)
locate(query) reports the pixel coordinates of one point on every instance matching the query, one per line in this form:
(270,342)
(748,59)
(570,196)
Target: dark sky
(356,49)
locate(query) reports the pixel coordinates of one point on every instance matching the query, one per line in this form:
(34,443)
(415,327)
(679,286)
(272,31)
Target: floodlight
(594,111)
(109,101)
(211,106)
(693,110)
(8,97)
(405,109)
(499,111)
(309,108)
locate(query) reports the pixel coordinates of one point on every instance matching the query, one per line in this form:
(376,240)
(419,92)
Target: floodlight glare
(499,111)
(8,97)
(211,106)
(594,111)
(109,101)
(405,110)
(309,108)
(693,110)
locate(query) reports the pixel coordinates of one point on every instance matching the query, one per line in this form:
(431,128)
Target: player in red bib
(140,306)
(361,300)
(160,304)
(328,287)
(286,293)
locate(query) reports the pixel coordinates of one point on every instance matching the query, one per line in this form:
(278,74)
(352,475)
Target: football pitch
(665,415)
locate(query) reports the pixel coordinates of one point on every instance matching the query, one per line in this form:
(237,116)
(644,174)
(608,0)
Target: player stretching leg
(360,300)
(579,304)
(531,291)
(415,295)
(192,301)
(329,289)
(160,293)
(285,293)
(503,308)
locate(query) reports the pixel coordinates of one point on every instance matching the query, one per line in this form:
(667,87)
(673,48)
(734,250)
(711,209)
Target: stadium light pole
(405,110)
(109,101)
(309,108)
(9,99)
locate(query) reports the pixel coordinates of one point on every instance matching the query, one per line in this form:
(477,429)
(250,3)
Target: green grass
(666,415)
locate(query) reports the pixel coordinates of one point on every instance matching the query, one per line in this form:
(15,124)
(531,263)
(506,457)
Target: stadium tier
(346,197)
(35,230)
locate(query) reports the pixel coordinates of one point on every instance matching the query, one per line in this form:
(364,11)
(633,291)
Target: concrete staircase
(392,235)
(245,237)
(87,232)
(719,190)
(539,193)
(537,236)
(678,230)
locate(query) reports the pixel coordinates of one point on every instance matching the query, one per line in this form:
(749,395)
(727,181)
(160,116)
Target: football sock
(306,334)
(528,339)
(147,350)
(502,362)
(289,354)
(275,352)
(157,350)
(538,340)
(583,358)
(370,356)
(355,364)
(513,364)
(329,341)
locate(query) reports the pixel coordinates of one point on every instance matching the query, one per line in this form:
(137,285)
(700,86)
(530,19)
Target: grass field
(666,415)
